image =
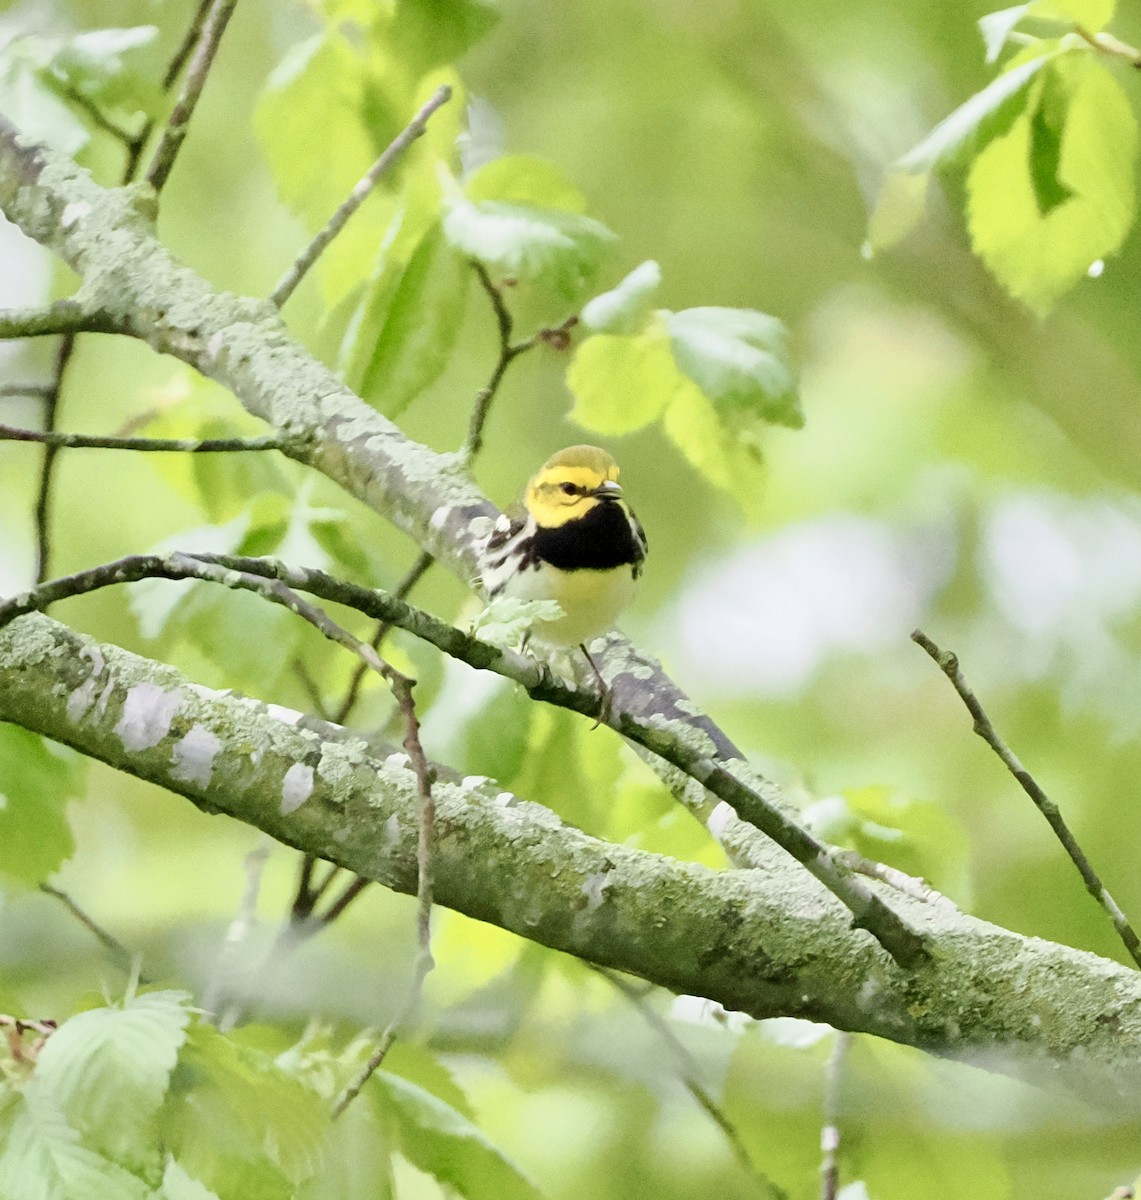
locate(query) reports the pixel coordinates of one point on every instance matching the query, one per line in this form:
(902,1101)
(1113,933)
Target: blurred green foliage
(965,464)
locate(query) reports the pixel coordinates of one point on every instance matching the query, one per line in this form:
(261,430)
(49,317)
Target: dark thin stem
(415,573)
(691,1074)
(137,144)
(178,122)
(44,492)
(357,196)
(948,663)
(120,955)
(98,118)
(33,391)
(83,441)
(1106,43)
(830,1131)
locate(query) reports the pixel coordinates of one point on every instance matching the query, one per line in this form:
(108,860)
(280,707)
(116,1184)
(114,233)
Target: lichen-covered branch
(763,942)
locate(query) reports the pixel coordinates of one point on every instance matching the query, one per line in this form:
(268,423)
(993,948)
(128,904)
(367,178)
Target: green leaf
(437,1139)
(113,68)
(996,28)
(898,210)
(984,116)
(739,359)
(317,98)
(35,784)
(234,1118)
(624,309)
(724,458)
(620,383)
(34,107)
(1038,255)
(42,1159)
(559,250)
(127,1052)
(420,326)
(524,179)
(1046,148)
(1092,15)
(428,33)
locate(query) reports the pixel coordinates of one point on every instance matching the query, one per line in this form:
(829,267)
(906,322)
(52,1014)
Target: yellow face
(567,485)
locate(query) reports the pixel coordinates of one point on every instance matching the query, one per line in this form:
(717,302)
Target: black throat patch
(601,540)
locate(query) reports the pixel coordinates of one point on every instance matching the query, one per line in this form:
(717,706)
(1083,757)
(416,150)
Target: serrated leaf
(1092,15)
(42,1159)
(233,1114)
(620,384)
(986,115)
(524,179)
(421,324)
(108,1070)
(1037,256)
(624,308)
(898,210)
(559,250)
(35,784)
(996,28)
(437,1139)
(739,359)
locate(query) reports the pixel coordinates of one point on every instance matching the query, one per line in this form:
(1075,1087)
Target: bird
(575,540)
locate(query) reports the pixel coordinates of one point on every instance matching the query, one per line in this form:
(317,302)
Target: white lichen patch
(471,782)
(193,756)
(594,889)
(73,213)
(83,697)
(147,713)
(720,819)
(397,761)
(287,716)
(296,787)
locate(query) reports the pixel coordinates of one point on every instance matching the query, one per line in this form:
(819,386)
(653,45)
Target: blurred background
(965,467)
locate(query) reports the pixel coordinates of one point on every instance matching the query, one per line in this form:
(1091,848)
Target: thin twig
(691,1073)
(47,465)
(830,1130)
(99,118)
(357,196)
(425,776)
(415,573)
(1106,43)
(178,60)
(948,663)
(120,955)
(178,122)
(33,391)
(83,441)
(236,937)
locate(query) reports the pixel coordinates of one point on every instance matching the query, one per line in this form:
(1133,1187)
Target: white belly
(592,600)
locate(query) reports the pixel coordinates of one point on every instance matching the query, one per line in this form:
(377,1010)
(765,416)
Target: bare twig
(99,118)
(691,1073)
(47,466)
(119,953)
(14,1029)
(33,391)
(948,663)
(425,776)
(178,122)
(1106,43)
(178,60)
(830,1130)
(83,441)
(357,196)
(221,979)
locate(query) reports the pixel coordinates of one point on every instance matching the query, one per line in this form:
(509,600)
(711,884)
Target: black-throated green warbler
(577,542)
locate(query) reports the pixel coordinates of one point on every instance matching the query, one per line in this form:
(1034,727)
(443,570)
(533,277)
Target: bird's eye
(570,489)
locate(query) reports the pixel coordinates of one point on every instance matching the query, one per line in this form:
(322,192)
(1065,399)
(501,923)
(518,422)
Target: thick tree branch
(763,942)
